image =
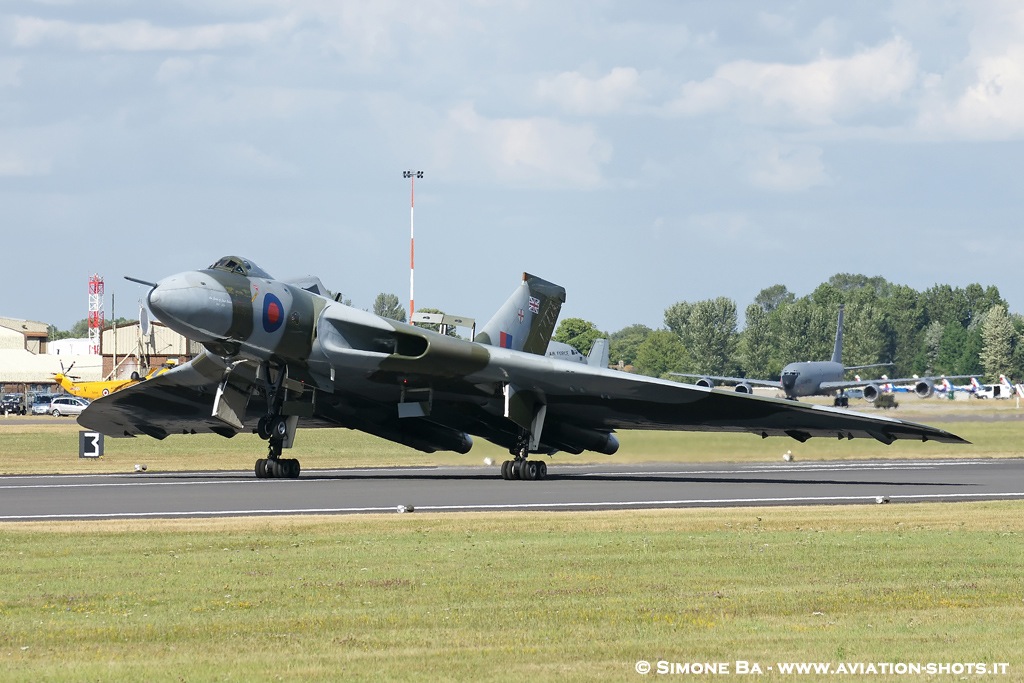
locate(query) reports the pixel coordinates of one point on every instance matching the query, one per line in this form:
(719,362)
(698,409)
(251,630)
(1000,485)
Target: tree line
(943,330)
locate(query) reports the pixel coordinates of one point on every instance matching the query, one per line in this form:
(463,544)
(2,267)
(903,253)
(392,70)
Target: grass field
(523,596)
(530,596)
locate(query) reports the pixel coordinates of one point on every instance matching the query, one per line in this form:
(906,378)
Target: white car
(67,405)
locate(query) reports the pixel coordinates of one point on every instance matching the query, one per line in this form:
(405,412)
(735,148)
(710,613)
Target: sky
(638,153)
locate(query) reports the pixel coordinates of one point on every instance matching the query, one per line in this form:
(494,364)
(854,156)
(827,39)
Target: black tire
(262,428)
(528,470)
(506,466)
(279,428)
(542,470)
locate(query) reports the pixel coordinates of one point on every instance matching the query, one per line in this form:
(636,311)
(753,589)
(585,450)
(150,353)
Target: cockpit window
(239,266)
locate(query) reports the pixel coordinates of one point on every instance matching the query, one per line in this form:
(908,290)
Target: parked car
(41,403)
(67,405)
(13,404)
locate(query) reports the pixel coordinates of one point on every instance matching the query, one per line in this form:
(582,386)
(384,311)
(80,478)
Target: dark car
(13,404)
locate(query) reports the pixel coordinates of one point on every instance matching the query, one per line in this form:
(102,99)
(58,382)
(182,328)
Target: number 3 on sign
(90,444)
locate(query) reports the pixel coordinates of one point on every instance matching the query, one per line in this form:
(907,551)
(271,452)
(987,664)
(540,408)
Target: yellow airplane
(94,390)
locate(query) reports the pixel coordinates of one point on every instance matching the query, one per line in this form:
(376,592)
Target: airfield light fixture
(412,176)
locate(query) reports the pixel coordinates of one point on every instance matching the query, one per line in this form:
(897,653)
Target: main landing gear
(521,467)
(273,428)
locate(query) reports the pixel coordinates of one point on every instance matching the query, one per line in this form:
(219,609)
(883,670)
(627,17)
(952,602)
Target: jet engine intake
(743,388)
(924,388)
(871,392)
(705,382)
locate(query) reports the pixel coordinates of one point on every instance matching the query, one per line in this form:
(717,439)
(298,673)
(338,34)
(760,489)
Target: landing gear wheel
(528,470)
(506,470)
(278,428)
(542,470)
(263,428)
(261,468)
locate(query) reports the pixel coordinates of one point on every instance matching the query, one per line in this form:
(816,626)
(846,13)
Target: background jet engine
(743,388)
(705,382)
(871,392)
(924,388)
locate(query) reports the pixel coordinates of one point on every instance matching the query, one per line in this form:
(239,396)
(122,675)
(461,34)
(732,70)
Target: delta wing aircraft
(821,378)
(277,353)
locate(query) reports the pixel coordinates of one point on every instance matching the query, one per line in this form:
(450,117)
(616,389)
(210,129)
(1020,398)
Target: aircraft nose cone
(198,309)
(789,381)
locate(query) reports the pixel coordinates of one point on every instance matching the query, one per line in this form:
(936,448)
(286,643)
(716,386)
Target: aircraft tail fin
(527,320)
(837,352)
(598,356)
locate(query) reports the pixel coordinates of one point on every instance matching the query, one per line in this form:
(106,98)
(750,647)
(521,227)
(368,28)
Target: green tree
(677,318)
(770,298)
(848,282)
(711,338)
(932,342)
(660,353)
(756,345)
(388,306)
(864,333)
(998,337)
(623,345)
(578,333)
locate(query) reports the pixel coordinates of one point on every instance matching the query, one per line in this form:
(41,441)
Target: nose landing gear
(276,429)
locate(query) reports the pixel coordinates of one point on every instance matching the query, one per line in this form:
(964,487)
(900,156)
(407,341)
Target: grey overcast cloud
(638,153)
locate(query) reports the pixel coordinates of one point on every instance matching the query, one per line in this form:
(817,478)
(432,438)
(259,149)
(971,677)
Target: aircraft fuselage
(805,378)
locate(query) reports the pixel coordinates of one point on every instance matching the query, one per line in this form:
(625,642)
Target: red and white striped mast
(412,176)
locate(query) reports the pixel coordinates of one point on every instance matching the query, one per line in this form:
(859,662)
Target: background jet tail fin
(527,320)
(837,352)
(598,356)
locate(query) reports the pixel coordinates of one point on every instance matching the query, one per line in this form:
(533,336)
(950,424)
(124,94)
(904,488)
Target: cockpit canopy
(239,266)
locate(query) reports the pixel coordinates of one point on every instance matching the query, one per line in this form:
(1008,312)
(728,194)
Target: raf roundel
(273,313)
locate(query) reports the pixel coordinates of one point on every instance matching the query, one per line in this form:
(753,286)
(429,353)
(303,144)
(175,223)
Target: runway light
(404,508)
(881,500)
(488,462)
(787,456)
(140,468)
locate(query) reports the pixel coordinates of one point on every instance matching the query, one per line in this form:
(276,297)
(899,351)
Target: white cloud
(530,152)
(786,168)
(10,72)
(575,93)
(983,97)
(247,159)
(13,164)
(175,69)
(817,93)
(139,35)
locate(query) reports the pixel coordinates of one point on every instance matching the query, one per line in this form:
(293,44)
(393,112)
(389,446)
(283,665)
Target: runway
(450,489)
